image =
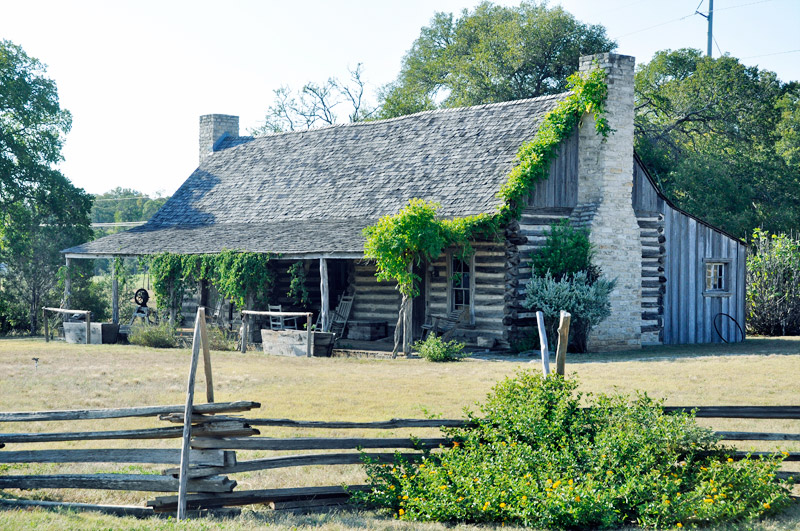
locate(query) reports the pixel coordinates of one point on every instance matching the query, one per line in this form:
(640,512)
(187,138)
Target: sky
(136,75)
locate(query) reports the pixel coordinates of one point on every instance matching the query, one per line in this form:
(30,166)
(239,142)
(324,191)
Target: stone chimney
(213,128)
(605,206)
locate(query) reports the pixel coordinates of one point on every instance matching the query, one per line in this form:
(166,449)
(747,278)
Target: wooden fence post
(88,327)
(245,318)
(46,326)
(563,341)
(309,336)
(543,344)
(187,421)
(201,316)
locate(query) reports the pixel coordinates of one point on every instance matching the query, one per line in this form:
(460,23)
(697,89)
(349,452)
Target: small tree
(564,278)
(773,285)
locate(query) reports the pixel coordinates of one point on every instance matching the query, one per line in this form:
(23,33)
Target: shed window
(716,276)
(460,284)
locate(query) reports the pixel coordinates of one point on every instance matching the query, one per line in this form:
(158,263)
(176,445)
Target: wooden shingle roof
(312,192)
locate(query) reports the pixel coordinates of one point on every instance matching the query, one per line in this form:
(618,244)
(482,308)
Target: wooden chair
(340,315)
(445,325)
(279,322)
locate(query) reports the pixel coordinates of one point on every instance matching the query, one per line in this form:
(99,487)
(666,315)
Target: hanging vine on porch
(242,277)
(298,291)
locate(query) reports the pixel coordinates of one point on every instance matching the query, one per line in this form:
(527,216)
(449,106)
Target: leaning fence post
(88,327)
(563,341)
(187,421)
(201,316)
(543,344)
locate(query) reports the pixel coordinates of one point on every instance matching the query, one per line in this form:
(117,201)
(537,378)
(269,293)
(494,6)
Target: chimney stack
(213,128)
(605,205)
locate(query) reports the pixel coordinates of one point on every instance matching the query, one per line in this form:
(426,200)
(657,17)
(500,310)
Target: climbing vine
(417,233)
(298,292)
(242,277)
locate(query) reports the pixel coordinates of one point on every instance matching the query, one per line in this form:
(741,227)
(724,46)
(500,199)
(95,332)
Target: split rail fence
(211,436)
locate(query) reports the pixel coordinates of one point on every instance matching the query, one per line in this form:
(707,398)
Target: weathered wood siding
(560,189)
(487,312)
(551,201)
(675,309)
(688,312)
(649,207)
(374,301)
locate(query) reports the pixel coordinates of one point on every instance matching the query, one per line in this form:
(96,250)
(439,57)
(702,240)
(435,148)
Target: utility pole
(710,18)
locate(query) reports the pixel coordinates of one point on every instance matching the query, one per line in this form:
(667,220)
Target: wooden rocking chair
(339,317)
(445,325)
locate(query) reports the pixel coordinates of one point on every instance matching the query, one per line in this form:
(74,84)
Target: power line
(691,15)
(768,54)
(127,198)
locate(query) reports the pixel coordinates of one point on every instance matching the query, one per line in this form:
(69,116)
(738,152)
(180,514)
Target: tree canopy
(41,212)
(492,54)
(32,125)
(713,132)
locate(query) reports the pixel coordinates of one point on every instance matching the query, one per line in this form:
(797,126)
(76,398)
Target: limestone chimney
(213,128)
(605,206)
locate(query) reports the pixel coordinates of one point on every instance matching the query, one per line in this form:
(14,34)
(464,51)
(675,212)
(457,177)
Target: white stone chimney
(605,184)
(213,128)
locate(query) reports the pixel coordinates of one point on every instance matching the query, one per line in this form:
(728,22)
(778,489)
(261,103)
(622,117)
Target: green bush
(566,251)
(588,302)
(160,336)
(773,285)
(536,458)
(434,348)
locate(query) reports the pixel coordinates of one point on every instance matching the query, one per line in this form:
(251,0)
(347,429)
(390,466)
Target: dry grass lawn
(758,372)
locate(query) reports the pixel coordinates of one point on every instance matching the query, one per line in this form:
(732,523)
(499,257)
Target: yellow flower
(460,498)
(549,481)
(730,459)
(577,498)
(442,487)
(502,505)
(524,498)
(401,512)
(766,506)
(570,482)
(422,466)
(405,497)
(785,454)
(679,524)
(666,502)
(608,472)
(708,500)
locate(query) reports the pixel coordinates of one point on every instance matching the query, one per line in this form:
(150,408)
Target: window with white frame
(717,272)
(460,283)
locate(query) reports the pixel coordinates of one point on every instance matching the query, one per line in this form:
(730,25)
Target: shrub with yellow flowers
(535,457)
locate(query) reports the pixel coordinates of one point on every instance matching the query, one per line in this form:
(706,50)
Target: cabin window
(460,284)
(717,272)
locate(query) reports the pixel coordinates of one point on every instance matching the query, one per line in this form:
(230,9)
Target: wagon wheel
(141,297)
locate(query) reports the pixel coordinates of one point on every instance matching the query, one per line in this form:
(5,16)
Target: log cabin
(307,196)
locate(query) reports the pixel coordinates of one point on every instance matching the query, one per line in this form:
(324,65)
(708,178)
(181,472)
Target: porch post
(114,292)
(67,284)
(323,287)
(408,326)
